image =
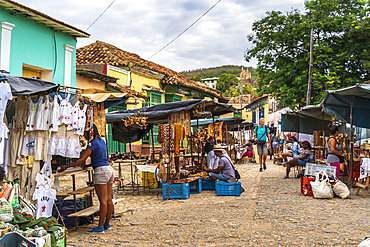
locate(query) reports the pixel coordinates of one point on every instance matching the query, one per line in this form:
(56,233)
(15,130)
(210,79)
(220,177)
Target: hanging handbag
(320,187)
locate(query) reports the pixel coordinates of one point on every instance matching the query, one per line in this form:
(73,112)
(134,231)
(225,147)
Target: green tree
(341,49)
(196,78)
(225,81)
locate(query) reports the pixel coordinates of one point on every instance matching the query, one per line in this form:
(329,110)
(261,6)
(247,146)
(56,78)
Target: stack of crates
(306,186)
(148,180)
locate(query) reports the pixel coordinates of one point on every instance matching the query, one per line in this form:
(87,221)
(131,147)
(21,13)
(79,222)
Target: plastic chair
(14,239)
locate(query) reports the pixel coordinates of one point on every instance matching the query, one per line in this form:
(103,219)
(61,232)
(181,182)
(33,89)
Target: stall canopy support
(351,122)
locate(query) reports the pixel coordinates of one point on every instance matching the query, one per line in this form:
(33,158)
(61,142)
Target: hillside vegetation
(217,72)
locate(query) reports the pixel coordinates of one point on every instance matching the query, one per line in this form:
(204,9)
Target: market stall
(42,121)
(174,124)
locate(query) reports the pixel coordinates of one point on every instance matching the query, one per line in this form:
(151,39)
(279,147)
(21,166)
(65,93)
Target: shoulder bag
(259,142)
(237,175)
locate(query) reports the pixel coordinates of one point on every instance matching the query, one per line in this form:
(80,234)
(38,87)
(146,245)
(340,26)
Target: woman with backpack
(261,135)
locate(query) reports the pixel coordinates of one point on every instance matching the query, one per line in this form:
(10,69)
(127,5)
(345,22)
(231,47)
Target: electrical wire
(100,15)
(185,30)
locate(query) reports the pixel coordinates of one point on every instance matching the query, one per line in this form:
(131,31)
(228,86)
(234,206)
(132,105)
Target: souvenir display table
(72,172)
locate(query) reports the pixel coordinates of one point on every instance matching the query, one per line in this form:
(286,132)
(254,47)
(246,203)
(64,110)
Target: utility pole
(310,71)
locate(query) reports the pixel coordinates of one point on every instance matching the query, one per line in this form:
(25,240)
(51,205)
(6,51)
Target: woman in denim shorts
(103,177)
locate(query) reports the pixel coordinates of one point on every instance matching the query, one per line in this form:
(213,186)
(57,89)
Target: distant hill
(217,71)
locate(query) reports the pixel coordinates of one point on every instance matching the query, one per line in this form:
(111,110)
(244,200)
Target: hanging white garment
(47,169)
(81,121)
(41,115)
(28,144)
(3,136)
(32,109)
(73,145)
(45,201)
(53,116)
(65,111)
(56,182)
(5,95)
(75,112)
(43,181)
(365,168)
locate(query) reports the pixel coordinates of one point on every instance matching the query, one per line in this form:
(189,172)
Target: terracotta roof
(39,17)
(103,53)
(125,90)
(93,74)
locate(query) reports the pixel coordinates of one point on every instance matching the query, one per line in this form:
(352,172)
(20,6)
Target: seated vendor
(301,160)
(249,151)
(293,149)
(225,170)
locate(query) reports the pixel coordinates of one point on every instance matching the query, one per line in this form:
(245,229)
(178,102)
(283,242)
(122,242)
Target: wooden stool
(363,186)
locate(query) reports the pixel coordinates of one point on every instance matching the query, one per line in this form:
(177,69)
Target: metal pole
(152,143)
(308,98)
(351,122)
(298,128)
(214,132)
(198,142)
(227,138)
(169,157)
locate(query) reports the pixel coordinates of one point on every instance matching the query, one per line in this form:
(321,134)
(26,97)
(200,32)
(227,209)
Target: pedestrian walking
(262,138)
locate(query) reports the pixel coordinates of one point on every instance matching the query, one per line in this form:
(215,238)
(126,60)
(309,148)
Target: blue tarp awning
(338,104)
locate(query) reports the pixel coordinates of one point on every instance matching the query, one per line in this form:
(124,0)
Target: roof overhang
(39,17)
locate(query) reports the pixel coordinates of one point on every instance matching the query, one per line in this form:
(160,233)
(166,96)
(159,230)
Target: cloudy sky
(145,26)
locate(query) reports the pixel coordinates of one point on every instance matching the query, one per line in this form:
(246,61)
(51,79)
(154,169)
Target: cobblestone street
(271,212)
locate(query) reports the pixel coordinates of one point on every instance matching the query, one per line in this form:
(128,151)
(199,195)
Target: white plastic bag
(341,190)
(365,243)
(6,211)
(321,188)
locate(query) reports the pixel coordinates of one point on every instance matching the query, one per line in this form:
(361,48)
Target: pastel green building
(36,45)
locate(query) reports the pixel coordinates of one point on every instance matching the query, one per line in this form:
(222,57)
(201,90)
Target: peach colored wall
(86,82)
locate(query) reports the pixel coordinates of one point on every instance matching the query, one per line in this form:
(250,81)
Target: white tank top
(42,114)
(53,116)
(65,111)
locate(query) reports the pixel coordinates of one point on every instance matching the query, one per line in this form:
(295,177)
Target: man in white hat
(225,170)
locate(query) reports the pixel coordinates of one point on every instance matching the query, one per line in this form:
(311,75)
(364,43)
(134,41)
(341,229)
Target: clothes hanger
(3,78)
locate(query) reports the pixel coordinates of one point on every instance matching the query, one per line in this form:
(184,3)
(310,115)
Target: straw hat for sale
(217,148)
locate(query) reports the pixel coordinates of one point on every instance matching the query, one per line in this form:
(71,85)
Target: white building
(211,82)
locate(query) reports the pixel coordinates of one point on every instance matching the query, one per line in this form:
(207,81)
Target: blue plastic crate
(176,191)
(228,189)
(208,184)
(196,186)
(14,239)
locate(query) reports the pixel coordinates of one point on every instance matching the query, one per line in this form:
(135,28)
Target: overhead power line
(100,15)
(185,30)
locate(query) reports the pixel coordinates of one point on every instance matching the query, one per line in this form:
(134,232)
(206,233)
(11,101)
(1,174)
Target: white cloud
(145,26)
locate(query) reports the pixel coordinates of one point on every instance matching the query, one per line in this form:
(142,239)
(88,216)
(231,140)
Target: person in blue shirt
(261,135)
(103,177)
(304,156)
(293,149)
